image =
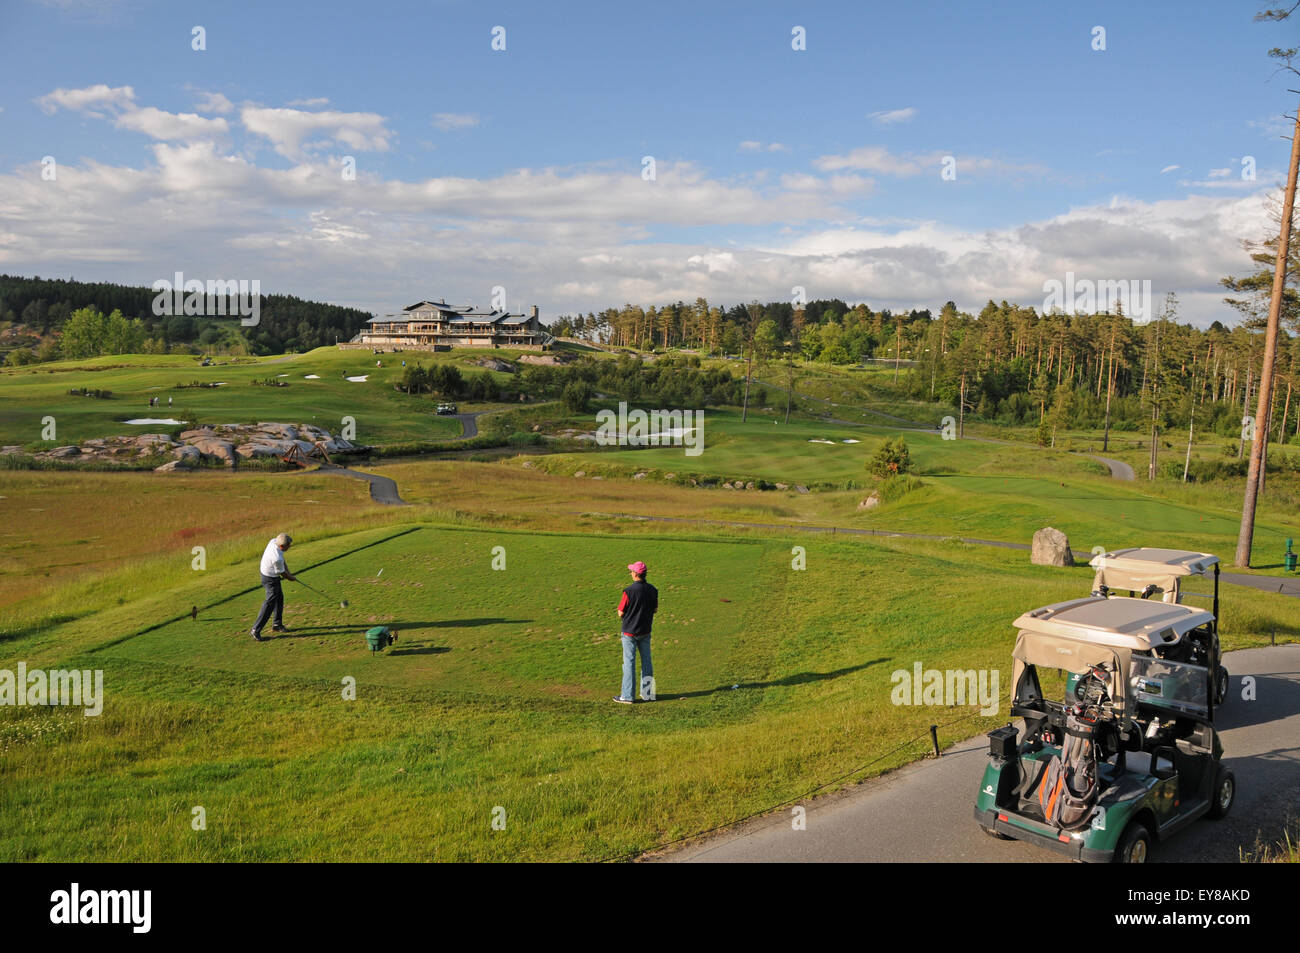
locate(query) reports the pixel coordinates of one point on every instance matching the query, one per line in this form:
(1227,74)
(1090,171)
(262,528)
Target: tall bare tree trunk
(1246,537)
(1110,390)
(961,409)
(1245,405)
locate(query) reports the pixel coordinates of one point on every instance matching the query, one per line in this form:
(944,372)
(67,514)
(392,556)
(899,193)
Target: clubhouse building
(438,326)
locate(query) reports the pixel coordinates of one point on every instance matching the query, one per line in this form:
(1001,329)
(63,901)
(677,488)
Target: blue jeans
(631,645)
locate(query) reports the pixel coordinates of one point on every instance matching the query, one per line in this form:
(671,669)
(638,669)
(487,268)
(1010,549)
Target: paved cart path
(924,812)
(382,489)
(1118,468)
(469,425)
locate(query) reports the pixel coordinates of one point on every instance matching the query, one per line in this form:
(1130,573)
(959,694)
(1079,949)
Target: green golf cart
(1129,756)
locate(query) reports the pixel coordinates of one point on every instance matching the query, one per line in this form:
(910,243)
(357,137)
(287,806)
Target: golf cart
(1145,572)
(1130,756)
(446,410)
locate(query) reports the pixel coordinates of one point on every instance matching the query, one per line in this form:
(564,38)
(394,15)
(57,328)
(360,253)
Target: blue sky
(522,167)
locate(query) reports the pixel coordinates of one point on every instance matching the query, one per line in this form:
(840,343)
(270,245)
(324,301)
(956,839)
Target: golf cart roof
(1137,625)
(1135,569)
(1169,562)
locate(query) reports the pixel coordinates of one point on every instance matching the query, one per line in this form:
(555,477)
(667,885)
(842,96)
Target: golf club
(343,604)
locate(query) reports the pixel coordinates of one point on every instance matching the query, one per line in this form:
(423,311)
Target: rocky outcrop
(222,443)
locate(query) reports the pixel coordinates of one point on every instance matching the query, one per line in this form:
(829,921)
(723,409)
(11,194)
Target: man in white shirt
(273,570)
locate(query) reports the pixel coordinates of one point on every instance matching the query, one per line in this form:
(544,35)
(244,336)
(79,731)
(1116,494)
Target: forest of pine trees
(1012,363)
(44,307)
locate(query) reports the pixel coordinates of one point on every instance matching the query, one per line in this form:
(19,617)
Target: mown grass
(496,694)
(513,715)
(382,414)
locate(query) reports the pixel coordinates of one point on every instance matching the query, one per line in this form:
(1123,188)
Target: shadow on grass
(398,626)
(802,678)
(421,650)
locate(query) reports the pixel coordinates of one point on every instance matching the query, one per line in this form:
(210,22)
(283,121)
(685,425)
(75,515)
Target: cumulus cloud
(294,132)
(96,100)
(118,104)
(575,238)
(214,103)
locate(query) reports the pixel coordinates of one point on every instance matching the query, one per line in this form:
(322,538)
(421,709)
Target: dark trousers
(274,603)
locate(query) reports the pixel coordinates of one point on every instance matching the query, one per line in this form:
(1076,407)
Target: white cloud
(288,128)
(96,100)
(1220,173)
(752,145)
(1169,168)
(583,237)
(890,116)
(185,127)
(314,103)
(214,103)
(450,121)
(118,104)
(880,160)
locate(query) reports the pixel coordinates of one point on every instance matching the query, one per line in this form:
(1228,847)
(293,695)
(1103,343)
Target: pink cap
(637,567)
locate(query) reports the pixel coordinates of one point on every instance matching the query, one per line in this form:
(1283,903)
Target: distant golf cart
(446,410)
(1146,572)
(1130,756)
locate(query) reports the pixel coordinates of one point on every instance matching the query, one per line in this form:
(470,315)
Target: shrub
(577,396)
(891,458)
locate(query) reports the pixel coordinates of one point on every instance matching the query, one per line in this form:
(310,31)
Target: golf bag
(1068,791)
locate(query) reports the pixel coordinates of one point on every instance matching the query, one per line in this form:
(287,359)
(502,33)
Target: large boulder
(282,431)
(1051,548)
(186,457)
(200,433)
(260,448)
(63,452)
(222,450)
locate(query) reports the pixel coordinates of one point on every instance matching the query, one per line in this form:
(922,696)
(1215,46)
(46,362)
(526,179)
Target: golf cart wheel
(1225,792)
(998,834)
(1135,847)
(1221,686)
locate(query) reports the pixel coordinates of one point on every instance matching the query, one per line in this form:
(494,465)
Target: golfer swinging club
(636,610)
(273,569)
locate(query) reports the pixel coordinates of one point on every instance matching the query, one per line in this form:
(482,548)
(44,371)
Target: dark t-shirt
(640,601)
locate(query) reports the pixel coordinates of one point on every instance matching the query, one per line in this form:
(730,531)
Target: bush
(577,396)
(891,459)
